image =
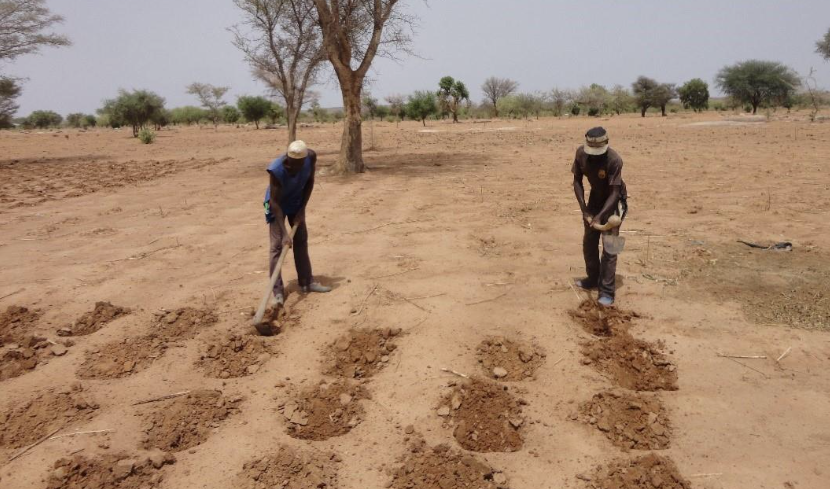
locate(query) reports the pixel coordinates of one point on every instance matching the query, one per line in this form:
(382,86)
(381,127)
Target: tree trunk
(754,108)
(351,145)
(643,111)
(663,110)
(256,123)
(454,117)
(424,122)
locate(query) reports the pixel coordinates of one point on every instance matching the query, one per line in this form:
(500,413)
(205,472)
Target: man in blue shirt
(292,181)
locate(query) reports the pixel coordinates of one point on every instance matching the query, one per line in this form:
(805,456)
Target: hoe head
(612,244)
(269,324)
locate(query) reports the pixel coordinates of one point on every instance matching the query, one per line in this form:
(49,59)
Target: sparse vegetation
(451,93)
(135,109)
(694,94)
(497,88)
(9,91)
(823,46)
(146,135)
(253,109)
(210,97)
(421,105)
(43,119)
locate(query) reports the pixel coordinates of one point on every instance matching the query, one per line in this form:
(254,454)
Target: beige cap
(297,150)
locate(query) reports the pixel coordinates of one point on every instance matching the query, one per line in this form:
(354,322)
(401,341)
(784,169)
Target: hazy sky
(163,45)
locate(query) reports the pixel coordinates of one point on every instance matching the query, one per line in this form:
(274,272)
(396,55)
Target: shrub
(575,109)
(146,136)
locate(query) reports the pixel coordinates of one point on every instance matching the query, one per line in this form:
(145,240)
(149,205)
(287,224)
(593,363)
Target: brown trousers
(301,258)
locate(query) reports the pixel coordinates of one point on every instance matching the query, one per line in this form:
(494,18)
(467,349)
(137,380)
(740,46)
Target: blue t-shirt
(291,198)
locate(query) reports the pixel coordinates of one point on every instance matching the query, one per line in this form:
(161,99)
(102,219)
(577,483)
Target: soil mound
(291,469)
(487,417)
(187,421)
(16,322)
(632,363)
(109,472)
(19,358)
(504,359)
(122,358)
(236,355)
(630,421)
(27,423)
(361,353)
(441,466)
(324,411)
(647,472)
(184,323)
(94,320)
(602,321)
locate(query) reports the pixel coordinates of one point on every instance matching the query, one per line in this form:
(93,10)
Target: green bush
(146,136)
(575,109)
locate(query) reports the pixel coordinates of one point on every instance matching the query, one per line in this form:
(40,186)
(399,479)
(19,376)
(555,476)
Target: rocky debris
(187,421)
(30,421)
(443,467)
(17,323)
(602,321)
(361,353)
(319,413)
(632,363)
(94,320)
(109,472)
(630,420)
(646,472)
(184,323)
(122,358)
(290,468)
(486,416)
(236,355)
(27,353)
(508,360)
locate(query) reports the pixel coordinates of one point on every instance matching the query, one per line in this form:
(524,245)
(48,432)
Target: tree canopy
(757,82)
(210,97)
(421,105)
(135,109)
(495,89)
(823,46)
(24,28)
(253,109)
(694,94)
(451,93)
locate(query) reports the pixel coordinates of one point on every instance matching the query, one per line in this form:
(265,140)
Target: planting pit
(122,358)
(486,416)
(30,421)
(647,472)
(361,353)
(16,323)
(94,320)
(631,363)
(630,420)
(443,467)
(235,355)
(504,359)
(109,472)
(187,421)
(291,468)
(184,323)
(324,411)
(602,321)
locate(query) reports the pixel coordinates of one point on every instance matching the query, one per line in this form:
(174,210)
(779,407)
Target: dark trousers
(601,271)
(301,259)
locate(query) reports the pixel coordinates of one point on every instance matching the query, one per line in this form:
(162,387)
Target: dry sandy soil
(457,234)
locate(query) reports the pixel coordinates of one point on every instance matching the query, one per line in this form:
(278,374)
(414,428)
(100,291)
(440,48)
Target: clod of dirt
(184,323)
(487,417)
(22,357)
(15,323)
(505,359)
(94,320)
(110,472)
(324,411)
(30,421)
(361,353)
(187,421)
(122,358)
(443,467)
(630,421)
(236,355)
(602,321)
(632,363)
(647,472)
(290,468)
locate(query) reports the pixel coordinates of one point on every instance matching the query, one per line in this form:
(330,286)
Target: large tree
(135,109)
(421,105)
(662,95)
(451,93)
(497,88)
(823,46)
(644,90)
(211,99)
(694,94)
(284,46)
(253,109)
(354,32)
(24,28)
(757,82)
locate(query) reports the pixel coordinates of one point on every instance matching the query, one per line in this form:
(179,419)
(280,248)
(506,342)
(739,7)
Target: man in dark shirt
(603,167)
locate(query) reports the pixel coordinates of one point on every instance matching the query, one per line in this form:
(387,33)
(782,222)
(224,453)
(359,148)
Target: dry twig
(786,352)
(363,304)
(487,300)
(455,373)
(93,432)
(162,398)
(26,449)
(740,356)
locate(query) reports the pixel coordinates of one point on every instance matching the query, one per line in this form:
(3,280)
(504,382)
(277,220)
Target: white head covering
(297,150)
(596,142)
